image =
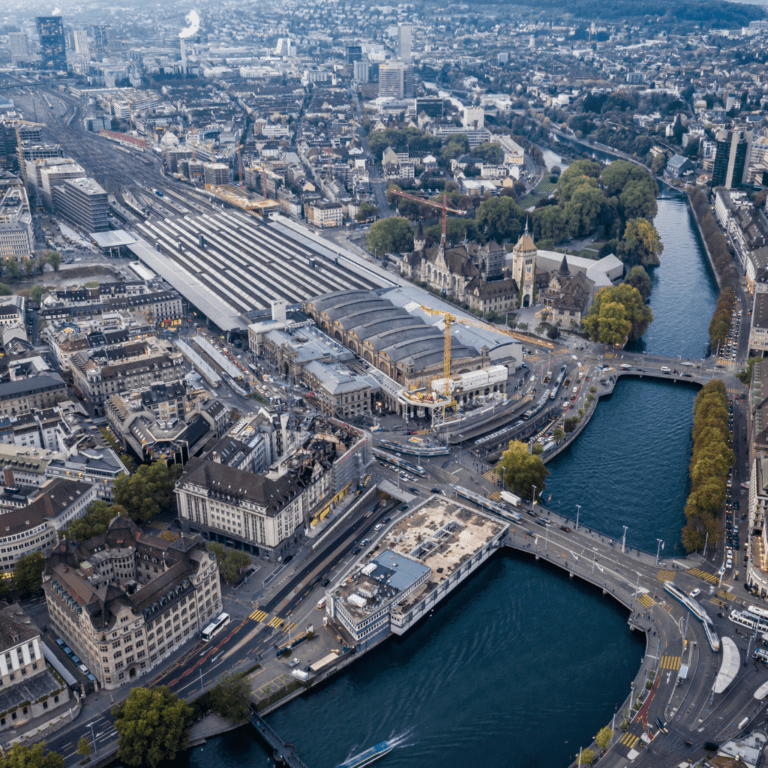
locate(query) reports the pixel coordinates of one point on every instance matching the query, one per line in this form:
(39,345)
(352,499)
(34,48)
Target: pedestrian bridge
(283,753)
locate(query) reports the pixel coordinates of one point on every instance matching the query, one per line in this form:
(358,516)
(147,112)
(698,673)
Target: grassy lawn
(544,189)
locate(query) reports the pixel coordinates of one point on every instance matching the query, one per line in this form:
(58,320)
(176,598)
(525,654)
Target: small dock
(283,753)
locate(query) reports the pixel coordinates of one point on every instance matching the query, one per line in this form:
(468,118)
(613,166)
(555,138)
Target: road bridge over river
(695,710)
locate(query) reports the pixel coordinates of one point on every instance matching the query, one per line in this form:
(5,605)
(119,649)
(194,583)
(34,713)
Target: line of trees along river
(510,670)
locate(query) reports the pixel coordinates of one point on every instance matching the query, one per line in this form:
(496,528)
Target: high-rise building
(361,70)
(732,149)
(354,53)
(19,46)
(409,86)
(404,42)
(52,42)
(100,37)
(392,79)
(84,203)
(81,43)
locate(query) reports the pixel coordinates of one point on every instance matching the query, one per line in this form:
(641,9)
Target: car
(365,542)
(377,527)
(75,660)
(736,504)
(325,582)
(436,490)
(288,559)
(59,642)
(543,521)
(403,507)
(413,489)
(728,564)
(695,593)
(356,551)
(565,528)
(662,725)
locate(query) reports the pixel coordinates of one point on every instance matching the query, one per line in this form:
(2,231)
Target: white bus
(215,627)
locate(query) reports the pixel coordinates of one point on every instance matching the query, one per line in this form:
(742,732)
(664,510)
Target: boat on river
(369,756)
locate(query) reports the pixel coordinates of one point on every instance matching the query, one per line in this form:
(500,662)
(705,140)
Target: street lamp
(624,539)
(533,499)
(93,737)
(659,547)
(578,512)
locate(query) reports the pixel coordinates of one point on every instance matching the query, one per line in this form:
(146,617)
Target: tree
(84,746)
(619,173)
(521,470)
(537,449)
(30,265)
(640,244)
(152,725)
(638,200)
(391,235)
(28,574)
(231,697)
(231,561)
(550,223)
(94,522)
(367,211)
(500,218)
(603,738)
(580,173)
(617,315)
(36,293)
(54,259)
(12,269)
(583,210)
(587,757)
(640,279)
(558,434)
(489,151)
(6,587)
(148,491)
(22,756)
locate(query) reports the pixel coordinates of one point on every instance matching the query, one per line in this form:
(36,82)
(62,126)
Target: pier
(282,753)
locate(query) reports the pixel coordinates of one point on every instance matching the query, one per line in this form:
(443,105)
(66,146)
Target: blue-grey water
(509,670)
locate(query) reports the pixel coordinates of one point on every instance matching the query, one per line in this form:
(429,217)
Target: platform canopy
(729,667)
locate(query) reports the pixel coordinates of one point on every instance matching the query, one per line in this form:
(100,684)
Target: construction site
(439,362)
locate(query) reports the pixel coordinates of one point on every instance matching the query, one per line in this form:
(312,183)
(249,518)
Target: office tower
(100,37)
(408,82)
(354,53)
(392,79)
(19,46)
(361,70)
(285,47)
(404,42)
(81,43)
(732,150)
(84,203)
(52,43)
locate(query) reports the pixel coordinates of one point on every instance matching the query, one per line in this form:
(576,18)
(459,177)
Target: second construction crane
(442,206)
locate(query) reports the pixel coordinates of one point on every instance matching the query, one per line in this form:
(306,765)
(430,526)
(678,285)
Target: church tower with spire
(419,241)
(524,267)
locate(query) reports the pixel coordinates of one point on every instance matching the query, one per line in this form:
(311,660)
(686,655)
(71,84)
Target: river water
(522,665)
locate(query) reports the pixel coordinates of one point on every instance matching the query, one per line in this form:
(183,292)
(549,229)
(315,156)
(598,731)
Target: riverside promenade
(675,639)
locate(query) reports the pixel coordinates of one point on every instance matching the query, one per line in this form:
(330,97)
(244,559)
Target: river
(510,670)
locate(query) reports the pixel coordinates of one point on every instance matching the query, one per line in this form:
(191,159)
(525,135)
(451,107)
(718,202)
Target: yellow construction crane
(485,327)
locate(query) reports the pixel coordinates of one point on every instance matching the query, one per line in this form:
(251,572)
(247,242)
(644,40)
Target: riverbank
(704,242)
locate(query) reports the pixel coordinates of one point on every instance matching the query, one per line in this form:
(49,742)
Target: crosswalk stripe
(670,662)
(289,627)
(645,600)
(276,622)
(664,575)
(258,615)
(726,595)
(629,739)
(710,577)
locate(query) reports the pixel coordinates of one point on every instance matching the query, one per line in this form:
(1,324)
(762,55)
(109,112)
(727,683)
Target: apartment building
(24,395)
(28,689)
(98,378)
(33,527)
(266,513)
(125,600)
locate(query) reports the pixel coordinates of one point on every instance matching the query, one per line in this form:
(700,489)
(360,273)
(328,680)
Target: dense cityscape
(306,317)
